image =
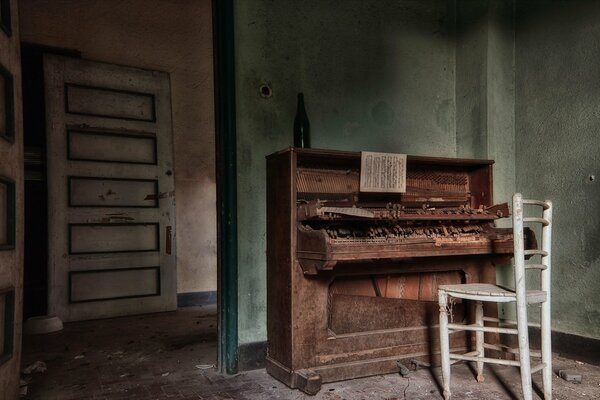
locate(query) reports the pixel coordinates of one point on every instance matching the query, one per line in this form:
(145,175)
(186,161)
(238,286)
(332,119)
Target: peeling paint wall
(557,145)
(171,36)
(376,75)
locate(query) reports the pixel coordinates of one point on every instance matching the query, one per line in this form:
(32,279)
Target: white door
(111,204)
(11,201)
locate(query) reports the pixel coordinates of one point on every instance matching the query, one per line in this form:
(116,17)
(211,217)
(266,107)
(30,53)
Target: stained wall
(512,81)
(557,145)
(171,36)
(376,75)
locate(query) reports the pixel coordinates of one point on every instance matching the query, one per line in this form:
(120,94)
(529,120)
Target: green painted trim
(224,71)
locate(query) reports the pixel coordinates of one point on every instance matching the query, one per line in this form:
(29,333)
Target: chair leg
(524,360)
(546,350)
(479,340)
(444,342)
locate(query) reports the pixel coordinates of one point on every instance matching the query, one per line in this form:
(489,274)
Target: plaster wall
(171,36)
(376,75)
(471,78)
(485,98)
(557,125)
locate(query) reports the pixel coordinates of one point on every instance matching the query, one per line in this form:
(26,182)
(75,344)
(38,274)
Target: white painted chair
(481,292)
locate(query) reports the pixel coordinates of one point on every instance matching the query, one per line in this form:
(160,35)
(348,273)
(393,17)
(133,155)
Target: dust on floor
(171,356)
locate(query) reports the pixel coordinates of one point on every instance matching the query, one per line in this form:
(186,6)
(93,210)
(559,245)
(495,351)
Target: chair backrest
(544,248)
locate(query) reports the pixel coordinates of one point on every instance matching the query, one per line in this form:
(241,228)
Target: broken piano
(352,277)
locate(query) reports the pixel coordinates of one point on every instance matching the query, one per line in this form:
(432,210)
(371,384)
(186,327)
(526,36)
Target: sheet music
(382,172)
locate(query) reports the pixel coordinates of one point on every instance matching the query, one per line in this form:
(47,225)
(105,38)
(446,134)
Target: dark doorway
(35,281)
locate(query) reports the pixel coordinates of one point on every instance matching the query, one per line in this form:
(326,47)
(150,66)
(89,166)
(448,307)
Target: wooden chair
(481,292)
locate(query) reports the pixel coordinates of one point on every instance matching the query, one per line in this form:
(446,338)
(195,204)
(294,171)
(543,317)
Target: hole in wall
(265,91)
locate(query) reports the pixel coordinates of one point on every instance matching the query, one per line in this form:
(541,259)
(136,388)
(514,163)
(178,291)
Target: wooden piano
(352,277)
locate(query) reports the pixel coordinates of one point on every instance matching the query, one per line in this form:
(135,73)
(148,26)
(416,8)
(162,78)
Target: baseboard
(252,356)
(195,299)
(572,346)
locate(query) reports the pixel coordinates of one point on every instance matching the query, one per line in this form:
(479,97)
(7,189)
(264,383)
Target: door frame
(34,138)
(226,171)
(11,174)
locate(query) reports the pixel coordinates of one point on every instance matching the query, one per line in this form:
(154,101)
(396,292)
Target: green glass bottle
(301,125)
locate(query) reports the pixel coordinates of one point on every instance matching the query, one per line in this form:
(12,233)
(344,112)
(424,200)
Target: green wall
(517,82)
(485,98)
(485,88)
(377,75)
(558,147)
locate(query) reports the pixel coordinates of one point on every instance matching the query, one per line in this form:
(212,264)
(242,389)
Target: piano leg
(308,381)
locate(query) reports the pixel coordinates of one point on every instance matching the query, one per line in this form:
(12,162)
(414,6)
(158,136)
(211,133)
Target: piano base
(310,380)
(327,347)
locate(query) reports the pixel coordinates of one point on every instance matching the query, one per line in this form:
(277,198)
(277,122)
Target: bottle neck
(300,102)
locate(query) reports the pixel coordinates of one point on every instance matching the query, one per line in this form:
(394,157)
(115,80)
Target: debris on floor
(22,388)
(38,366)
(570,375)
(205,366)
(119,369)
(404,371)
(418,363)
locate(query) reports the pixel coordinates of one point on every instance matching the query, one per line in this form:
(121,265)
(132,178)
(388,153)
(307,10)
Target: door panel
(115,147)
(117,283)
(110,190)
(7,103)
(113,238)
(110,103)
(7,214)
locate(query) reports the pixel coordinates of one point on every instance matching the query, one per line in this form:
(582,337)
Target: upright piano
(352,277)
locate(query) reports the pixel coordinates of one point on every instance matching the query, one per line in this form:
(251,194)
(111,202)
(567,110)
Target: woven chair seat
(498,293)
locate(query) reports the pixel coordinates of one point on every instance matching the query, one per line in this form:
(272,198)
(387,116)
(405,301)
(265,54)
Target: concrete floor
(170,356)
